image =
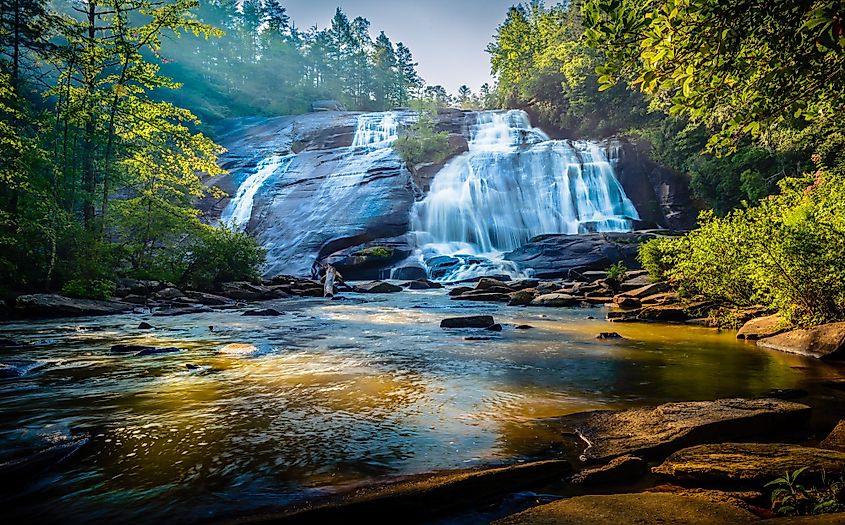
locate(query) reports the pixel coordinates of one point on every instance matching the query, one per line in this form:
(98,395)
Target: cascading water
(239,210)
(514,183)
(317,195)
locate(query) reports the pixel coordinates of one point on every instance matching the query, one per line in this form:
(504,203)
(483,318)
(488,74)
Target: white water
(514,184)
(239,210)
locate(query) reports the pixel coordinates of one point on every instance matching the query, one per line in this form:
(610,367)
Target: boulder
(623,301)
(377,287)
(145,326)
(424,284)
(523,327)
(609,335)
(51,305)
(483,295)
(188,310)
(264,312)
(823,342)
(760,328)
(655,431)
(494,327)
(208,299)
(554,299)
(137,287)
(459,290)
(521,297)
(244,291)
(523,284)
(240,350)
(661,298)
(556,255)
(168,294)
(647,290)
(619,469)
(486,283)
(475,321)
(622,509)
(748,462)
(631,283)
(410,273)
(836,439)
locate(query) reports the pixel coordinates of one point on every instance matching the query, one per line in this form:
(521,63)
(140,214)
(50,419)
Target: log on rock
(659,431)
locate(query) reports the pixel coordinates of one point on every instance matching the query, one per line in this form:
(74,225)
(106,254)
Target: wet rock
(208,299)
(168,294)
(137,287)
(142,350)
(647,290)
(619,469)
(410,273)
(486,283)
(622,509)
(631,283)
(51,305)
(523,327)
(484,296)
(661,298)
(478,338)
(554,256)
(609,335)
(554,299)
(244,291)
(423,284)
(474,321)
(422,496)
(522,297)
(748,462)
(663,429)
(157,351)
(264,312)
(145,326)
(623,301)
(135,299)
(523,284)
(174,312)
(494,327)
(836,439)
(760,328)
(822,342)
(377,287)
(459,290)
(240,350)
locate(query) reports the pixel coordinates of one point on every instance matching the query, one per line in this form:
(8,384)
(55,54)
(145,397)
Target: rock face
(643,508)
(50,305)
(748,462)
(760,328)
(555,256)
(672,426)
(823,342)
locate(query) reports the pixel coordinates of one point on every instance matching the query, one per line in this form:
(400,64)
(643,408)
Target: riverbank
(256,412)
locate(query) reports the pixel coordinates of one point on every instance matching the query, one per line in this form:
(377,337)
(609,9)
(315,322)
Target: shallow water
(334,393)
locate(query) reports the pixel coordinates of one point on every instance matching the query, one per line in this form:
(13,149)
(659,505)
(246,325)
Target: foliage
(616,273)
(219,255)
(658,257)
(265,64)
(375,251)
(791,498)
(738,67)
(89,289)
(421,143)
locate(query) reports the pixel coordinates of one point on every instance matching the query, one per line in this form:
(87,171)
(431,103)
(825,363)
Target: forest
(105,109)
(746,98)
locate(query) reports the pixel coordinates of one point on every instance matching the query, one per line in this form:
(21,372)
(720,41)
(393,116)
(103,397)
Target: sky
(447,37)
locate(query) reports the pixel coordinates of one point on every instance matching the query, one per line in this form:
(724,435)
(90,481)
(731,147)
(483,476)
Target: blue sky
(447,37)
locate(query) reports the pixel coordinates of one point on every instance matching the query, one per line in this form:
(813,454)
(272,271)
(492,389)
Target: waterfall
(239,210)
(515,183)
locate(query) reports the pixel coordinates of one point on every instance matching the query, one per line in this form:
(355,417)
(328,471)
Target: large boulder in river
(554,256)
(473,321)
(761,327)
(642,508)
(377,287)
(554,299)
(51,305)
(824,342)
(663,429)
(749,462)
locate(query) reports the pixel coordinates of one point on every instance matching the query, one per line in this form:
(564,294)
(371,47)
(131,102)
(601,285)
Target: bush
(421,143)
(791,498)
(219,255)
(658,257)
(89,288)
(376,251)
(616,274)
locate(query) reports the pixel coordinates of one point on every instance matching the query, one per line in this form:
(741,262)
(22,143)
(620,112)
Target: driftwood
(328,286)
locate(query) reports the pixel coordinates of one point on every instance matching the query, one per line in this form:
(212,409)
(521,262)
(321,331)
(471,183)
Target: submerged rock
(141,350)
(475,321)
(494,327)
(145,326)
(609,335)
(748,462)
(623,509)
(663,429)
(265,312)
(51,305)
(760,328)
(822,342)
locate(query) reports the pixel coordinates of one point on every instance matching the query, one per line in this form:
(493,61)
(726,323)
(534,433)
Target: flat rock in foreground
(661,430)
(643,508)
(52,305)
(826,341)
(420,496)
(748,462)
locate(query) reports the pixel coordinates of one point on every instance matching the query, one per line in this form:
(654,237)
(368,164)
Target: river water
(334,393)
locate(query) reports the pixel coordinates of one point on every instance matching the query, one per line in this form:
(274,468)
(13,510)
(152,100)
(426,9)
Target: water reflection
(328,395)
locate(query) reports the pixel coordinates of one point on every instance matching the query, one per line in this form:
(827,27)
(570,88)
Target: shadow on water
(329,395)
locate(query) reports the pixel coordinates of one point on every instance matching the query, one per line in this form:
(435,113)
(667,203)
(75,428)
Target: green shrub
(219,255)
(792,498)
(616,274)
(421,143)
(89,288)
(376,251)
(658,257)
